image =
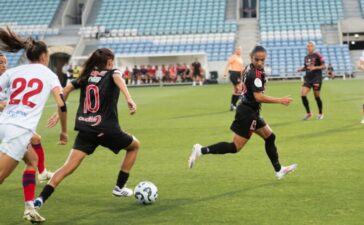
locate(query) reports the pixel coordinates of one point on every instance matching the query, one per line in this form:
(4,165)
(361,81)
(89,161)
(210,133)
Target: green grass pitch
(327,188)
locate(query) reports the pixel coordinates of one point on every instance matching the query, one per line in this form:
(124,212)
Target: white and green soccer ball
(146,192)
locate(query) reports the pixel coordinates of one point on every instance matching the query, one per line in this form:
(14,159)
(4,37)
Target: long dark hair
(10,42)
(97,61)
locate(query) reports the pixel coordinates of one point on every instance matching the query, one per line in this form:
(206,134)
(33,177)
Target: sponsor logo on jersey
(96,120)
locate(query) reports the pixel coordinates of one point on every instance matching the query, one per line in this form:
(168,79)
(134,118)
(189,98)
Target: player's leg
(44,174)
(29,186)
(7,166)
(316,92)
(73,161)
(269,137)
(305,89)
(132,149)
(219,148)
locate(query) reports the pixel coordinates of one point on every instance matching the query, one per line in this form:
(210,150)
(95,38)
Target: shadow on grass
(136,214)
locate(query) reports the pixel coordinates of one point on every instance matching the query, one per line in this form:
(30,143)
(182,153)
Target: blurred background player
(313,65)
(248,120)
(97,121)
(197,73)
(235,66)
(28,86)
(361,67)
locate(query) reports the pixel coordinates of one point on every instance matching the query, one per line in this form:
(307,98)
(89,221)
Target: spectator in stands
(143,74)
(235,66)
(186,76)
(68,71)
(76,71)
(151,74)
(181,69)
(135,76)
(172,71)
(313,65)
(127,75)
(165,74)
(196,72)
(330,72)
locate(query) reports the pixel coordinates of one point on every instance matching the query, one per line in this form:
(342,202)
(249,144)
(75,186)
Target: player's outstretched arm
(62,112)
(260,97)
(120,82)
(53,120)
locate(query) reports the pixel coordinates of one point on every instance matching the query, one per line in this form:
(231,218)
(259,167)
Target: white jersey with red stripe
(28,88)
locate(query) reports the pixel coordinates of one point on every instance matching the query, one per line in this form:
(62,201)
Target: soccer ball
(146,192)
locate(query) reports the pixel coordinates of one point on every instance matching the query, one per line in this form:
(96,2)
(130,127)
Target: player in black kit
(97,121)
(247,118)
(313,65)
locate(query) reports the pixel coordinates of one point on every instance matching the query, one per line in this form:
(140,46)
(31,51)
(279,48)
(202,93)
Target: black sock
(236,98)
(232,99)
(219,148)
(319,104)
(46,192)
(271,151)
(122,179)
(305,103)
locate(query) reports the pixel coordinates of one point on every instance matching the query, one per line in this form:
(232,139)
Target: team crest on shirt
(258,83)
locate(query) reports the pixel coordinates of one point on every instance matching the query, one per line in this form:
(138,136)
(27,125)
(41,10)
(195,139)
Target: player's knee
(36,139)
(135,146)
(236,147)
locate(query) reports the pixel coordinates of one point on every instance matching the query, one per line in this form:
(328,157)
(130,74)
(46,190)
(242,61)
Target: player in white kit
(28,87)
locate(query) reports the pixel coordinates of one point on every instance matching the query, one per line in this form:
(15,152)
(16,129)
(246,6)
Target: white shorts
(14,140)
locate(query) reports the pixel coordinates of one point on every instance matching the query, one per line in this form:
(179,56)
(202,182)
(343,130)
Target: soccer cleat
(320,116)
(31,215)
(196,153)
(46,175)
(38,203)
(308,116)
(285,170)
(122,192)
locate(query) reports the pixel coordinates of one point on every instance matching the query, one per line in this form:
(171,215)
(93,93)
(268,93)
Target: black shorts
(315,86)
(87,142)
(235,77)
(196,73)
(246,121)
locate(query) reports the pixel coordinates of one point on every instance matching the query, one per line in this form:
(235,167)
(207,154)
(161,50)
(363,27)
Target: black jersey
(314,76)
(97,111)
(254,81)
(196,67)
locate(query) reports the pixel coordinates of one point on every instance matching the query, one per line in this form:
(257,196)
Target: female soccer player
(97,121)
(28,87)
(314,64)
(247,118)
(235,66)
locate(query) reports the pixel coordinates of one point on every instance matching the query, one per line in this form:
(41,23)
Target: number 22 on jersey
(19,85)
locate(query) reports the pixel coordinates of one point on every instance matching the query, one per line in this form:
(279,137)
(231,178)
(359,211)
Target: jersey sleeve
(320,58)
(256,81)
(4,82)
(117,73)
(54,82)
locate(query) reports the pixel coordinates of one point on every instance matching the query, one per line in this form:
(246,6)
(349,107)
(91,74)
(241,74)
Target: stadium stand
(157,28)
(286,26)
(28,18)
(362,7)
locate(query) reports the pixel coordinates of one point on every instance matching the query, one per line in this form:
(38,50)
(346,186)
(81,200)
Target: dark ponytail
(10,42)
(97,61)
(257,48)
